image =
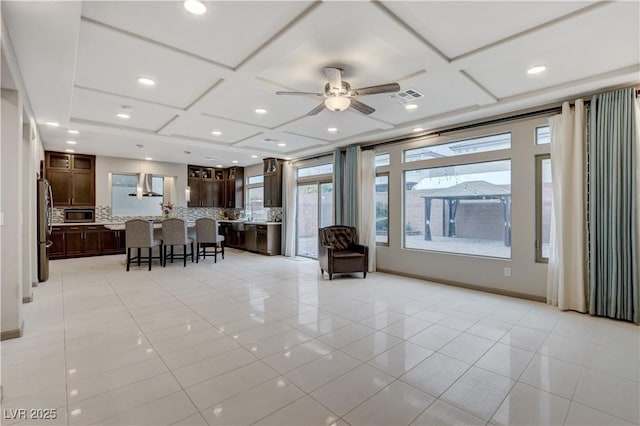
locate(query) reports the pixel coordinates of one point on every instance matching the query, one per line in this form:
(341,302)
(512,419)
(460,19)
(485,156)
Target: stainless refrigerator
(45,218)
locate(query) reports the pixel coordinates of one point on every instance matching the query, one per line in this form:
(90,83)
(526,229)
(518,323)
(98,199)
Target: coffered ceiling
(80,62)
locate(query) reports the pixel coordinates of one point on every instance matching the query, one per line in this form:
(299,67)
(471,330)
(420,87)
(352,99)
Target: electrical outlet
(507,272)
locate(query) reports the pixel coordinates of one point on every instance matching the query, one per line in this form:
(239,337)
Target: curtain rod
(314,157)
(501,120)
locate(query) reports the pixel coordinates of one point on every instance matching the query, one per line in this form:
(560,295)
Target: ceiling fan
(339,96)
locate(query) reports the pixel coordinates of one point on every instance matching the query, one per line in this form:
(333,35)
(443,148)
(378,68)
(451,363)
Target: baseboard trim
(34,284)
(468,286)
(28,299)
(12,334)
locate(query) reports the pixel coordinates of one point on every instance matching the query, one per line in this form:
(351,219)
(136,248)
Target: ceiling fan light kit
(338,95)
(337,103)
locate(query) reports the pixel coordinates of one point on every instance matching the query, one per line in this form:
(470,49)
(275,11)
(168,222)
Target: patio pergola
(476,190)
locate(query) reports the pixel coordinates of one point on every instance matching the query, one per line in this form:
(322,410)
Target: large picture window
(123,204)
(463,209)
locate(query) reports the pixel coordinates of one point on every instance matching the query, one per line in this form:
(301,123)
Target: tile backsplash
(103,214)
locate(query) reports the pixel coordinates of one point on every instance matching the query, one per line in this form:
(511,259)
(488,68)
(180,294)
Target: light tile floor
(267,340)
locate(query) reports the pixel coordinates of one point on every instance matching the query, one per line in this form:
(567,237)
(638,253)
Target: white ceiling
(80,63)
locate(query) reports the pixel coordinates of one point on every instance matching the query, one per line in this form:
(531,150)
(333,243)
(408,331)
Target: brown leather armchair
(339,251)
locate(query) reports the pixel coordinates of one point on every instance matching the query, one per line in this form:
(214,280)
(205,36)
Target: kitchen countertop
(118,226)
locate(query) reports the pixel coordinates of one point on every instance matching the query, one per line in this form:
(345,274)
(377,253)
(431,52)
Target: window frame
(535,135)
(249,186)
(459,158)
(539,158)
(380,243)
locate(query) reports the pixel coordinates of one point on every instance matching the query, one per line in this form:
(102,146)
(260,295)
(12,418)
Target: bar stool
(174,233)
(139,235)
(207,236)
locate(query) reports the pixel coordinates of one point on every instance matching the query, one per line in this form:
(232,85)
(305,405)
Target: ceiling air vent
(406,96)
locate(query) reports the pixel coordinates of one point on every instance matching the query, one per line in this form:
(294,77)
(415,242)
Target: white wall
(106,165)
(11,205)
(527,276)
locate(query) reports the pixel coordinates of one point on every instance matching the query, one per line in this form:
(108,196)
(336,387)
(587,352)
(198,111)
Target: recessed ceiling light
(148,158)
(260,111)
(123,115)
(146,81)
(418,129)
(219,166)
(282,144)
(254,156)
(537,69)
(73,132)
(69,150)
(235,161)
(52,123)
(411,106)
(194,6)
(72,142)
(216,133)
(332,129)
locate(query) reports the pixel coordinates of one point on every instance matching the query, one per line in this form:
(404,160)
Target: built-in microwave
(79,215)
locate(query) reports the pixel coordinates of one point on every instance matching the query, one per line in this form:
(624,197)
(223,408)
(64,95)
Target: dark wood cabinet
(268,239)
(91,245)
(72,179)
(206,186)
(262,238)
(73,241)
(234,187)
(85,240)
(56,251)
(211,187)
(82,241)
(272,182)
(112,242)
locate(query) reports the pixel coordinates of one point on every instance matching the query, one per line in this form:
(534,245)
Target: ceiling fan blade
(359,106)
(372,90)
(299,93)
(316,109)
(334,75)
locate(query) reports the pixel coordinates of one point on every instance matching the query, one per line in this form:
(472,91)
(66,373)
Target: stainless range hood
(145,182)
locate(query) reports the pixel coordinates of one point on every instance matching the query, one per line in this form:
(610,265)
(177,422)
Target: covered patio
(475,190)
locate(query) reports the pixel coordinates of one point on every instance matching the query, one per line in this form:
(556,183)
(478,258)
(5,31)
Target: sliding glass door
(315,203)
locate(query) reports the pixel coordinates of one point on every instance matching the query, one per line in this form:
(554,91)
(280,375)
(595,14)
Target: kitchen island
(102,238)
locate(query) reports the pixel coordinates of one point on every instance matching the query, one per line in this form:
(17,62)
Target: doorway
(315,210)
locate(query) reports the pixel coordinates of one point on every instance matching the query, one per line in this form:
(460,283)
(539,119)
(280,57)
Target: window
(452,149)
(544,192)
(254,209)
(255,204)
(123,204)
(258,179)
(322,169)
(543,135)
(382,159)
(463,209)
(382,209)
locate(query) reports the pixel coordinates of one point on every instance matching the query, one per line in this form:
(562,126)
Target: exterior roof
(469,190)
